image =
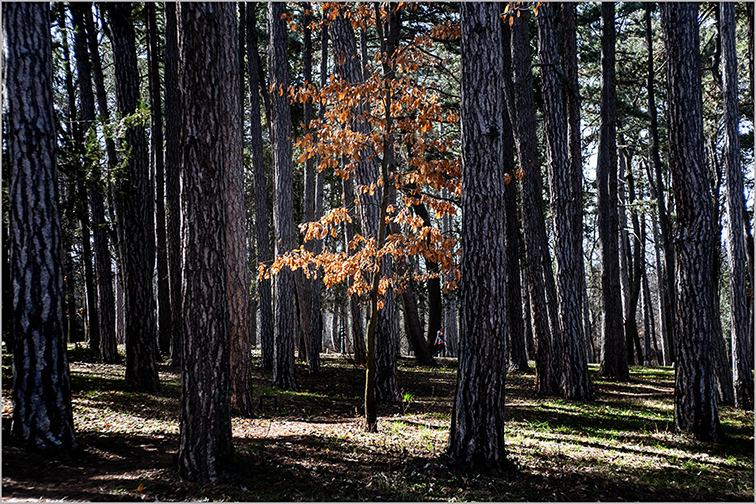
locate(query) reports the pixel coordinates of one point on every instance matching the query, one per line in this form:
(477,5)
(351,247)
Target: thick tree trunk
(237,281)
(205,448)
(172,176)
(742,340)
(566,199)
(695,399)
(262,222)
(613,362)
(158,167)
(521,103)
(477,431)
(42,413)
(283,215)
(135,214)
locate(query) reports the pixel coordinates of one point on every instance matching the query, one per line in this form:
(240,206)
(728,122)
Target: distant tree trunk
(104,280)
(668,284)
(742,340)
(566,199)
(451,314)
(613,360)
(172,178)
(237,281)
(477,430)
(659,281)
(135,214)
(205,448)
(262,222)
(695,399)
(283,215)
(106,308)
(522,103)
(42,413)
(634,268)
(158,166)
(358,338)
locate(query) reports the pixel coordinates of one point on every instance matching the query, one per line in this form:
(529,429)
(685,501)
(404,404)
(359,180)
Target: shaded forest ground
(309,445)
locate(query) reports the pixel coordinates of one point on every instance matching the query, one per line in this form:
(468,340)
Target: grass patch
(310,445)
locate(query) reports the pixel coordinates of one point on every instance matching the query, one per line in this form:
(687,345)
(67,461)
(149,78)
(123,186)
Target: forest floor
(310,445)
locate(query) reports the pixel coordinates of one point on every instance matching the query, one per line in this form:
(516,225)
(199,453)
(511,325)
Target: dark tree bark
(237,281)
(566,200)
(134,210)
(205,448)
(42,414)
(262,222)
(540,280)
(477,431)
(613,363)
(658,191)
(742,340)
(283,215)
(172,178)
(158,172)
(517,359)
(695,400)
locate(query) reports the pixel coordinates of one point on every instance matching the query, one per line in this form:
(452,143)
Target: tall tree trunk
(135,214)
(262,222)
(91,166)
(172,176)
(451,314)
(742,340)
(42,413)
(695,399)
(358,338)
(613,363)
(521,105)
(668,284)
(635,268)
(477,431)
(237,281)
(158,169)
(566,199)
(205,448)
(283,215)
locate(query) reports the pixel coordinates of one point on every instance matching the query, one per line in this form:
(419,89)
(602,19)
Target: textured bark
(135,216)
(695,400)
(42,414)
(613,363)
(539,279)
(668,283)
(237,280)
(477,431)
(172,178)
(158,173)
(517,359)
(283,215)
(205,449)
(262,221)
(566,203)
(742,340)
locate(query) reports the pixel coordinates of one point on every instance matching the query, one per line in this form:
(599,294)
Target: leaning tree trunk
(135,213)
(477,430)
(566,198)
(695,399)
(42,413)
(540,281)
(283,215)
(205,448)
(613,360)
(742,340)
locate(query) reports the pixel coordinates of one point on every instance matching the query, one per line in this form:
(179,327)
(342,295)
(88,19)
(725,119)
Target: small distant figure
(439,345)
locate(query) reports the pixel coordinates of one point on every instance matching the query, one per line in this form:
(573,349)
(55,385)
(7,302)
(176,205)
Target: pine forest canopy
(547,184)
